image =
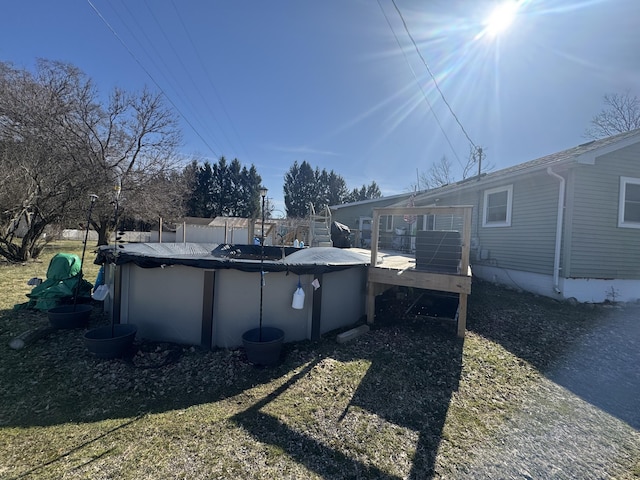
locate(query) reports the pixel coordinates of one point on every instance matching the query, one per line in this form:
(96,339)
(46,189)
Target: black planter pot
(265,351)
(103,344)
(69,316)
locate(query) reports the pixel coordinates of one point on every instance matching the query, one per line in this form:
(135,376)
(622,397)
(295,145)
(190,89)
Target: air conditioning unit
(438,251)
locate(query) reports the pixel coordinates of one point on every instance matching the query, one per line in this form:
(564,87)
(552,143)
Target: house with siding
(358,215)
(566,225)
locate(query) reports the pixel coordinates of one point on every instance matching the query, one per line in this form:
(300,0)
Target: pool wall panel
(343,298)
(237,306)
(164,303)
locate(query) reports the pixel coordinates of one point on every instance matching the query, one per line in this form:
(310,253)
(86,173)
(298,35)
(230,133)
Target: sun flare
(501,18)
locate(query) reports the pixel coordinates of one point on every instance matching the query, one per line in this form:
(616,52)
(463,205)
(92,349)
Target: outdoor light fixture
(117,182)
(263,194)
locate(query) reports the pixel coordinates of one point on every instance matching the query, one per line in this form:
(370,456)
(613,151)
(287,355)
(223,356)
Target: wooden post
(371,286)
(251,228)
(370,308)
(462,315)
(466,240)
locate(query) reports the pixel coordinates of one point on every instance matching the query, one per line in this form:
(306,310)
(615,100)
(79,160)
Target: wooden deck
(389,269)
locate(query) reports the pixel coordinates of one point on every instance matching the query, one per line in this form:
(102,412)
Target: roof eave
(589,158)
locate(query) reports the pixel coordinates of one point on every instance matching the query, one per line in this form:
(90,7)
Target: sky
(375,90)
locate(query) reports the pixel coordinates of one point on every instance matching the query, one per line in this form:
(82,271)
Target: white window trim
(388,223)
(621,201)
(507,223)
(425,218)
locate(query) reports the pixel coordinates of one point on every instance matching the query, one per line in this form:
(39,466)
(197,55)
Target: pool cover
(240,257)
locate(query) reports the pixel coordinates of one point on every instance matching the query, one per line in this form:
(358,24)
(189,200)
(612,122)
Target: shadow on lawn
(591,350)
(409,383)
(56,380)
(414,370)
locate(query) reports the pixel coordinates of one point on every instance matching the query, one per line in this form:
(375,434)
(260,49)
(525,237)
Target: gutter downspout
(559,222)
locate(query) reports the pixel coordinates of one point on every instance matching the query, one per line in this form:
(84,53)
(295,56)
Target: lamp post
(92,199)
(263,194)
(117,189)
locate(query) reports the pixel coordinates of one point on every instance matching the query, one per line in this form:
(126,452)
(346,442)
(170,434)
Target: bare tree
(621,113)
(441,173)
(477,163)
(130,144)
(60,143)
(29,199)
(41,182)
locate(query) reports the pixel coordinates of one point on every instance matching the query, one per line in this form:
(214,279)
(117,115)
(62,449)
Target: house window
(629,203)
(428,222)
(386,222)
(497,207)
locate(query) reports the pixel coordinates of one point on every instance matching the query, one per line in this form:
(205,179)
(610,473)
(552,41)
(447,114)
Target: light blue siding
(599,248)
(529,243)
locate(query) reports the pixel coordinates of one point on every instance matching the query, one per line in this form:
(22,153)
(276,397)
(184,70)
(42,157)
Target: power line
(208,76)
(169,78)
(123,43)
(186,71)
(420,85)
(435,82)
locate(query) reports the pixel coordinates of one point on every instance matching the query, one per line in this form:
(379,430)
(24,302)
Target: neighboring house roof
(585,153)
(236,222)
(398,197)
(195,221)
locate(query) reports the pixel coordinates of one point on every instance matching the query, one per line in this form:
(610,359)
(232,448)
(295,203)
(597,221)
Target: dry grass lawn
(517,399)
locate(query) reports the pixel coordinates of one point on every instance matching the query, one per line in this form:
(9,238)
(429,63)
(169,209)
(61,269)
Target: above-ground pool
(209,295)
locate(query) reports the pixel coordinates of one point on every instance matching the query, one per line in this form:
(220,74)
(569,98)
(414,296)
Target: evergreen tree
(249,193)
(337,190)
(196,195)
(366,192)
(222,189)
(304,186)
(373,191)
(299,189)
